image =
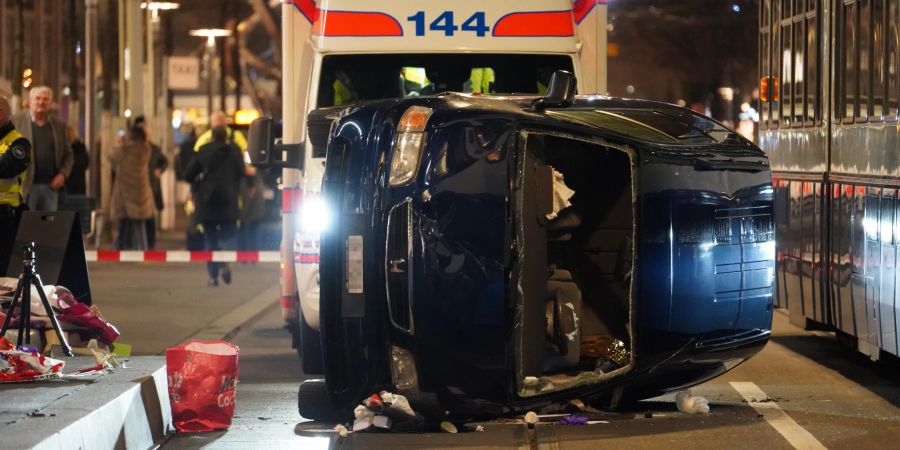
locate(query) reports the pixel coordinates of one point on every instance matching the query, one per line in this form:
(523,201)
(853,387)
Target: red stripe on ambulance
(306,7)
(290,199)
(355,24)
(582,8)
(535,24)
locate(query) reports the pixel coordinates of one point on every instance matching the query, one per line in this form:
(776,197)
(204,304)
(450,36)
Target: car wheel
(313,401)
(310,349)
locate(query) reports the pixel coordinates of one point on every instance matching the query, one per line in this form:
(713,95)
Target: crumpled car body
(485,257)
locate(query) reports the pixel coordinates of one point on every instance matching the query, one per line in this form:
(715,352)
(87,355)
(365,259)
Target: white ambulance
(336,52)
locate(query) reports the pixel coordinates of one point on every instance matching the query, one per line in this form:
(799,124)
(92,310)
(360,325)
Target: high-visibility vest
(11,188)
(234,136)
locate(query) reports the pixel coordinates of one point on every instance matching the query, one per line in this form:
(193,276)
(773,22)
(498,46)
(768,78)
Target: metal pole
(135,43)
(90,88)
(210,49)
(602,42)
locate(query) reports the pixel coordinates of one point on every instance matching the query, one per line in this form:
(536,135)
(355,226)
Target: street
(815,393)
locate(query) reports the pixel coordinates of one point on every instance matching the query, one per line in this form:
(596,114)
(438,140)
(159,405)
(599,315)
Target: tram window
(812,66)
(878,60)
(799,63)
(776,91)
(849,59)
(893,57)
(865,60)
(787,74)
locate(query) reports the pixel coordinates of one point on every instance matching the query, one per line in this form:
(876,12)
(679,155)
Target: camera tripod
(22,297)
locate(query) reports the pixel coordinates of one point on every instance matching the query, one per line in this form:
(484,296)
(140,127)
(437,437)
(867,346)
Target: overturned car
(486,256)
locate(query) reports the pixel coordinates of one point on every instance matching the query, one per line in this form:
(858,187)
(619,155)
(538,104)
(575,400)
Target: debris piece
(397,401)
(448,427)
(372,421)
(576,405)
(341,430)
(531,418)
(362,412)
(573,420)
(690,404)
(479,428)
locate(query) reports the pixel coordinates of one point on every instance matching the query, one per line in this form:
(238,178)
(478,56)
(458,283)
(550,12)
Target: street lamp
(210,34)
(156,7)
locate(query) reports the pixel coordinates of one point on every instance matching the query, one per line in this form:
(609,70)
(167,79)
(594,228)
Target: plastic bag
(202,380)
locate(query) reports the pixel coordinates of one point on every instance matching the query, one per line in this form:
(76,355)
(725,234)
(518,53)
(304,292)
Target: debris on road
(691,404)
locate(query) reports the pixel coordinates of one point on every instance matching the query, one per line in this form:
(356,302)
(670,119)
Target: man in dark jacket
(215,175)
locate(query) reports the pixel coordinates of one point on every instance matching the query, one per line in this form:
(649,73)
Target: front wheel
(310,349)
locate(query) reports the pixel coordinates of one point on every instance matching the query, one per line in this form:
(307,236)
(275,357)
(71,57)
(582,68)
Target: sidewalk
(155,306)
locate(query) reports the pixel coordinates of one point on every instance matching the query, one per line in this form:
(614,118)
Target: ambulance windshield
(350,78)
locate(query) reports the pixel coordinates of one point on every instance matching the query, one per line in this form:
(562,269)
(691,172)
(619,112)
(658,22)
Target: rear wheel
(310,349)
(313,401)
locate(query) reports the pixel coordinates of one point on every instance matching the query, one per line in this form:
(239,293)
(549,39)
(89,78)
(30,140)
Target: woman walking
(131,202)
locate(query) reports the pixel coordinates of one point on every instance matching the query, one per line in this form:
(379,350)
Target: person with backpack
(215,174)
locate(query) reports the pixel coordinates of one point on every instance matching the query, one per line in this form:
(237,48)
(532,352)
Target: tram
(829,87)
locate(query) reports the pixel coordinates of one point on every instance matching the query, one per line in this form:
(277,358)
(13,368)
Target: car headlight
(315,217)
(408,145)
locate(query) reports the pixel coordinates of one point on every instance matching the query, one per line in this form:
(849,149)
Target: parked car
(490,255)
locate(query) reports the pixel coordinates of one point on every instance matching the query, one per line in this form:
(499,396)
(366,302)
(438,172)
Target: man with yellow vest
(218,119)
(15,156)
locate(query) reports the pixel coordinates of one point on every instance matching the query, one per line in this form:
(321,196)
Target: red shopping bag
(202,379)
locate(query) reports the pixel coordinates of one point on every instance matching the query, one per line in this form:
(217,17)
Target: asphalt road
(804,390)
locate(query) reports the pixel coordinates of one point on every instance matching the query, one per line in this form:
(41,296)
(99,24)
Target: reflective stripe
(11,188)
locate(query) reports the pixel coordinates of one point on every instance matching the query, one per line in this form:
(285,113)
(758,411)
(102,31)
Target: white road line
(796,435)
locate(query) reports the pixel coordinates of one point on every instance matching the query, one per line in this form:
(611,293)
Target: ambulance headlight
(408,145)
(315,216)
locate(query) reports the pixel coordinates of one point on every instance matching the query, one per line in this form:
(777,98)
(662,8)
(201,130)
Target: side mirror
(560,93)
(265,152)
(261,143)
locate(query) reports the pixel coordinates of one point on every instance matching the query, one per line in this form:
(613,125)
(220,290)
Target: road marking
(796,435)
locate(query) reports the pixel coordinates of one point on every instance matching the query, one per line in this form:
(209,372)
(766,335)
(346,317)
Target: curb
(128,408)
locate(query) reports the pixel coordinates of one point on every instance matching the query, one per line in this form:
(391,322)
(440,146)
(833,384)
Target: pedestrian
(131,201)
(185,151)
(157,165)
(75,183)
(15,155)
(253,211)
(53,158)
(215,174)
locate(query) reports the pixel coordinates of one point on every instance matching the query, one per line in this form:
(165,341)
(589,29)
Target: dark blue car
(487,256)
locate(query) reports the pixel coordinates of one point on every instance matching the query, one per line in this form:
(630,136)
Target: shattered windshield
(350,78)
(667,126)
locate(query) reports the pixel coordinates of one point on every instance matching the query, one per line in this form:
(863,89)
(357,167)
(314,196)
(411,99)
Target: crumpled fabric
(26,364)
(82,315)
(8,285)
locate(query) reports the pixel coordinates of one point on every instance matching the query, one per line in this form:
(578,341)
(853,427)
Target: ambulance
(336,52)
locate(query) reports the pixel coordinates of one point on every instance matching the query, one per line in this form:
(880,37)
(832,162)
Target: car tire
(310,349)
(313,401)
